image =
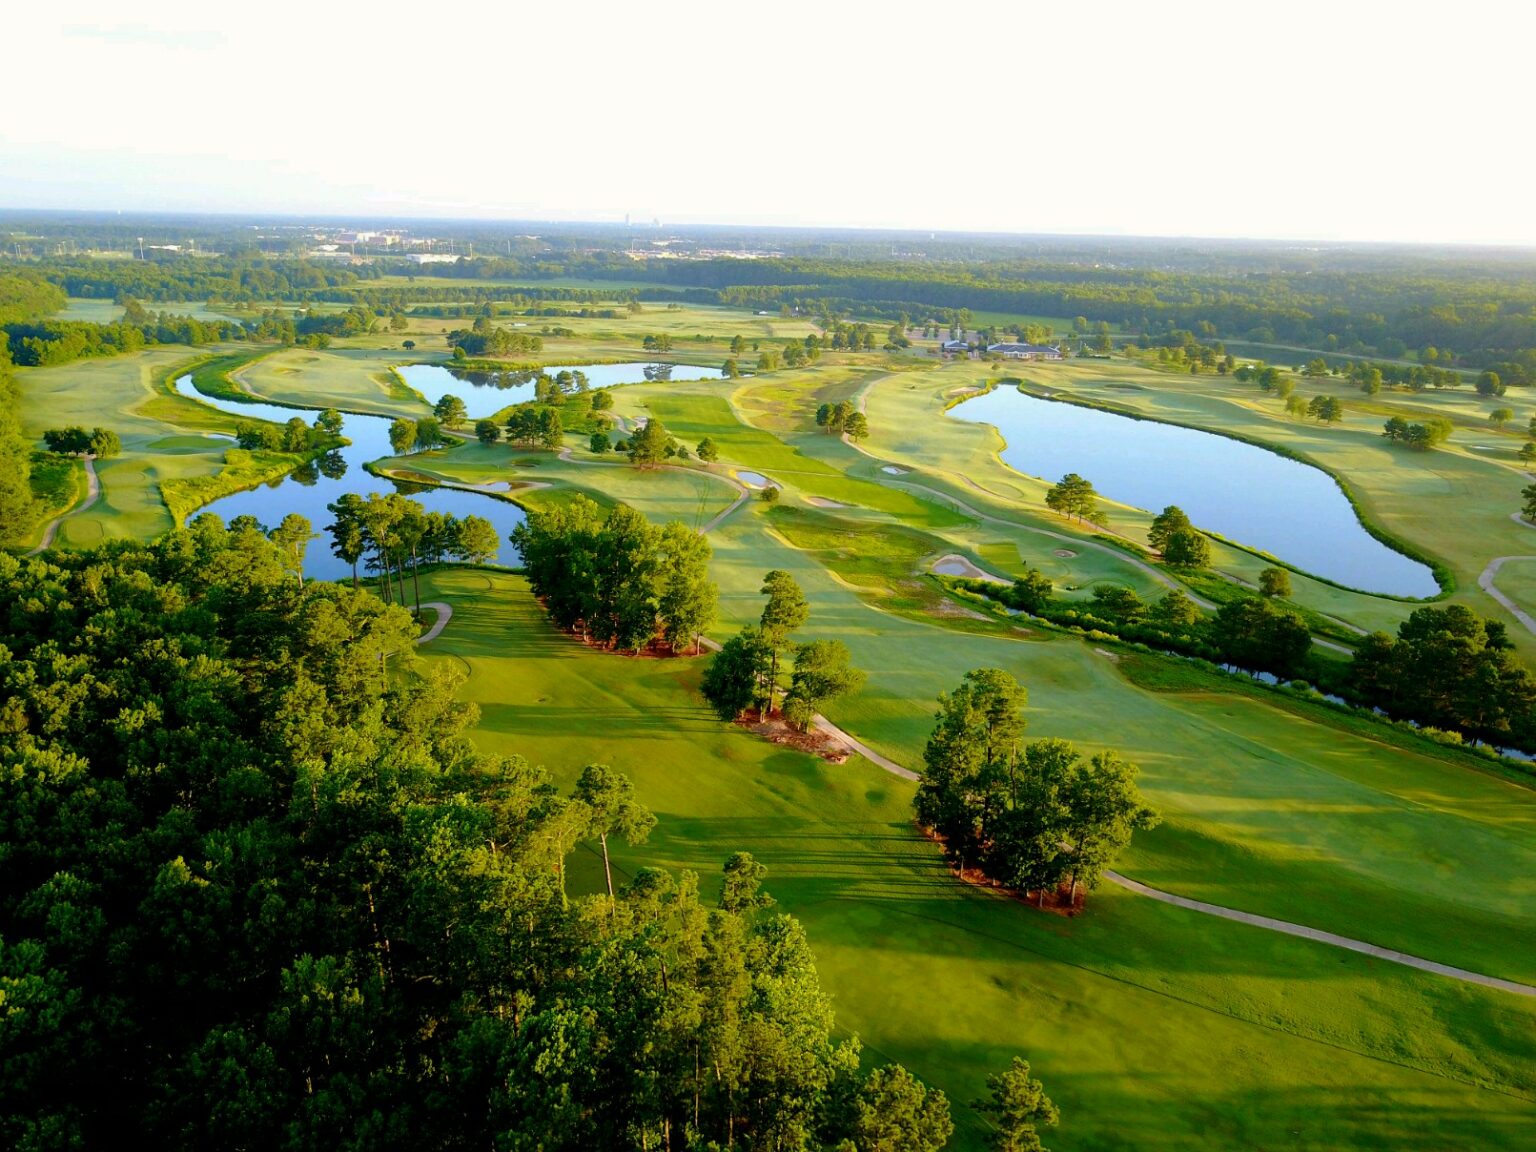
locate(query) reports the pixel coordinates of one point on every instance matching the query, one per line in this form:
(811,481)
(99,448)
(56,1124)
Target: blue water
(309,489)
(1255,497)
(489,392)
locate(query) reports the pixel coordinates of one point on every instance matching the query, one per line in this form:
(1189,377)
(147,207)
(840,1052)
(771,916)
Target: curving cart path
(92,493)
(1485,582)
(444,614)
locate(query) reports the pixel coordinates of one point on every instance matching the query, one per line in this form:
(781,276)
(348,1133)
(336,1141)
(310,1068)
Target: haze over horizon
(1191,120)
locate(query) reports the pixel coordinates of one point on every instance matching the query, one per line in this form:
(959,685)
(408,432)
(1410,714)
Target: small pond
(1245,493)
(489,392)
(309,489)
(753,479)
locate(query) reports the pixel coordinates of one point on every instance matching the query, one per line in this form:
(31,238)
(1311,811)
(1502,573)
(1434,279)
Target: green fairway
(694,495)
(1331,828)
(1125,1011)
(165,437)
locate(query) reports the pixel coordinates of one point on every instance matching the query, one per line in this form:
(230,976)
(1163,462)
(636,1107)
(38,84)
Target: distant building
(956,347)
(1026,351)
(432,258)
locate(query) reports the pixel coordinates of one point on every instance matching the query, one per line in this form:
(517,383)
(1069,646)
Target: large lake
(309,489)
(1255,497)
(489,392)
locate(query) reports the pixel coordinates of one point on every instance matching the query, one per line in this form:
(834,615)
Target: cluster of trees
(1269,379)
(420,435)
(843,418)
(1328,409)
(1074,496)
(486,339)
(353,321)
(1371,377)
(1034,816)
(76,441)
(532,425)
(307,914)
(745,673)
(392,532)
(657,342)
(292,436)
(854,337)
(1181,350)
(618,580)
(1421,434)
(1451,669)
(652,445)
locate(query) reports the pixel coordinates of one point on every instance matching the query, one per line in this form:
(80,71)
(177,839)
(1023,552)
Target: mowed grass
(1517,579)
(1266,808)
(165,437)
(693,411)
(1127,1012)
(693,495)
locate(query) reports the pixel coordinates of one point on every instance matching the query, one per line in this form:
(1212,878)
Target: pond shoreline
(1340,561)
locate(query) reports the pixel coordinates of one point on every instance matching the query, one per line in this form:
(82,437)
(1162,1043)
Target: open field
(108,312)
(1124,1010)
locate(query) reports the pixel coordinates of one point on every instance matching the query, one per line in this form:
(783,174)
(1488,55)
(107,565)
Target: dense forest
(16,503)
(257,890)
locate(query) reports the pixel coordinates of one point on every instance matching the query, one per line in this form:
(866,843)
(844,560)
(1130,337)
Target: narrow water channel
(309,489)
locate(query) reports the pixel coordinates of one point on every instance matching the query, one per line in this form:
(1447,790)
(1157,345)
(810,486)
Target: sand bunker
(823,502)
(1065,553)
(893,470)
(956,565)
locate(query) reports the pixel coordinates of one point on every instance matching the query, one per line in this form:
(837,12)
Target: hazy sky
(1337,120)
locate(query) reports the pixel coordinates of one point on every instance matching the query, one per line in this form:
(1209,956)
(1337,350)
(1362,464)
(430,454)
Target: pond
(309,489)
(1245,493)
(753,479)
(490,392)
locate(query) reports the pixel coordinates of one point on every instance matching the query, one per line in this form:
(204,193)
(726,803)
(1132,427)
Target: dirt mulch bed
(1058,903)
(776,731)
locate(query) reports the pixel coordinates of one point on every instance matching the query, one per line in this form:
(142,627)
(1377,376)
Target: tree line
(40,343)
(301,911)
(18,508)
(1253,633)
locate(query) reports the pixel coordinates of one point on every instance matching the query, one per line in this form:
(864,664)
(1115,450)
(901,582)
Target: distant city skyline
(1363,122)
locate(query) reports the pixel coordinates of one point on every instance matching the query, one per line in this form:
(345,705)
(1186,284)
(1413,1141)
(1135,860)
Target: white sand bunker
(957,565)
(823,502)
(893,470)
(1065,553)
